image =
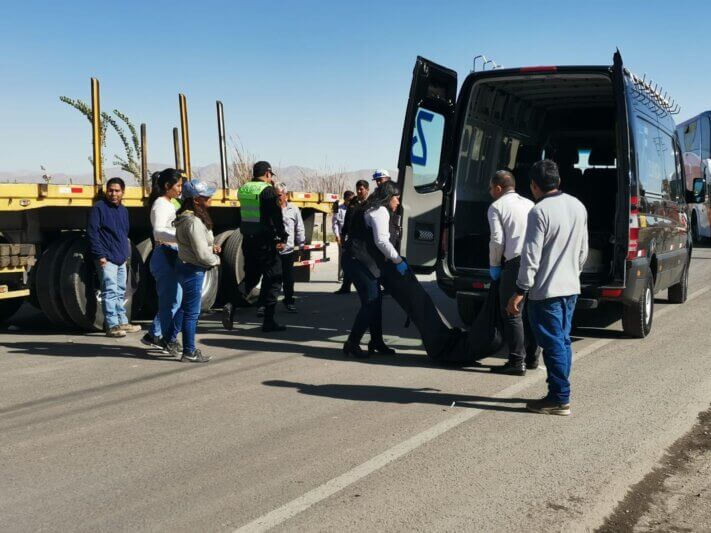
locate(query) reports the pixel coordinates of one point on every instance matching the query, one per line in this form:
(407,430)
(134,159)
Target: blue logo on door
(426,146)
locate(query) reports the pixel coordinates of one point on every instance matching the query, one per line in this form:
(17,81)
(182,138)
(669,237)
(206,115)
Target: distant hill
(291,175)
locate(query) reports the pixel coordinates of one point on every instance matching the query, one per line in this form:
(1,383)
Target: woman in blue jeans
(369,246)
(197,253)
(167,188)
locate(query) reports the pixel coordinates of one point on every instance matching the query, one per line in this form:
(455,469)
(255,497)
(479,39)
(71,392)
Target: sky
(312,83)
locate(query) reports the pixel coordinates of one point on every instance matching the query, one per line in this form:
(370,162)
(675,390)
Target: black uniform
(261,257)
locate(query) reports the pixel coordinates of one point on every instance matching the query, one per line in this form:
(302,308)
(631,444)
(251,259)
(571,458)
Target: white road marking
(331,487)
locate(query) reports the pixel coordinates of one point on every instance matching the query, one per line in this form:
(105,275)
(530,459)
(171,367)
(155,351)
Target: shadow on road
(399,395)
(81,349)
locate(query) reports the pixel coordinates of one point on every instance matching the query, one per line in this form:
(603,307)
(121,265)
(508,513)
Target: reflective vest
(248,196)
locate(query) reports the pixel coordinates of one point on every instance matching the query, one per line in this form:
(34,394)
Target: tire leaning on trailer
(223,288)
(233,268)
(150,295)
(81,292)
(49,282)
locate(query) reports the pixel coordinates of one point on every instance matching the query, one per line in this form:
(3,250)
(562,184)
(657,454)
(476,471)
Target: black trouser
(287,272)
(261,259)
(517,332)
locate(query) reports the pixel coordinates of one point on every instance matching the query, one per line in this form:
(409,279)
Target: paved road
(284,432)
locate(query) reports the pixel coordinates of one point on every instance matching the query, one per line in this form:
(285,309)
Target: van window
(427,138)
(705,137)
(692,137)
(650,142)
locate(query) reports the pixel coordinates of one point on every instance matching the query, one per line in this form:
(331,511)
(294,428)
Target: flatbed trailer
(44,243)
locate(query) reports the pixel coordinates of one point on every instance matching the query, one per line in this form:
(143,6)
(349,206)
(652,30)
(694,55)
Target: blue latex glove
(495,272)
(402,267)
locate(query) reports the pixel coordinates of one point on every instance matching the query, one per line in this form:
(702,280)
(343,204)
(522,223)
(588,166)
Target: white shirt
(339,217)
(294,226)
(508,217)
(378,219)
(162,218)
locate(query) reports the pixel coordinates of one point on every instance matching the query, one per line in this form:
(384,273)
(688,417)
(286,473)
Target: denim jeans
(190,278)
(113,291)
(169,318)
(551,321)
(370,314)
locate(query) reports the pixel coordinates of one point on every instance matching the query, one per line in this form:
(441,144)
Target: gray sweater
(555,248)
(195,241)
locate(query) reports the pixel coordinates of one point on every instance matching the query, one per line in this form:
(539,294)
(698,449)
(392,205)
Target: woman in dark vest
(368,249)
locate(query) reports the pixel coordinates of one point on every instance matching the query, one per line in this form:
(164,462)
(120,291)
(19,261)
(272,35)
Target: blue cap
(194,188)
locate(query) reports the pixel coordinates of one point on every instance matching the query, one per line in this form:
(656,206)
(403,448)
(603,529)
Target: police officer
(264,235)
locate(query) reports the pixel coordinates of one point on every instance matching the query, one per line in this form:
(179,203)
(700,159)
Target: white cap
(380,173)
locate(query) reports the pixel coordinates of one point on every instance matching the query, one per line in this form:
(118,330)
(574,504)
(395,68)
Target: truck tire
(233,269)
(81,291)
(9,307)
(637,317)
(468,308)
(679,292)
(209,288)
(223,287)
(49,283)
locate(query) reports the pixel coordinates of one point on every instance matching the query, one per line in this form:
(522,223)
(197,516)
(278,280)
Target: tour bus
(695,138)
(632,182)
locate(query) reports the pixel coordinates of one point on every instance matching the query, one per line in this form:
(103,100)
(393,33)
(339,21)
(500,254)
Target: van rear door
(424,166)
(622,220)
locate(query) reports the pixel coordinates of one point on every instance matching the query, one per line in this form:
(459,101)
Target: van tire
(49,283)
(637,317)
(678,293)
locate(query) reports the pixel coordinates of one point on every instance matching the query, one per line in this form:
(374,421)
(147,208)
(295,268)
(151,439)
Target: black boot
(511,368)
(380,347)
(532,359)
(228,313)
(354,349)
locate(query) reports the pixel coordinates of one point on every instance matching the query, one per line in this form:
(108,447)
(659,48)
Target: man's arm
(299,229)
(337,223)
(269,201)
(92,230)
(532,251)
(497,239)
(584,245)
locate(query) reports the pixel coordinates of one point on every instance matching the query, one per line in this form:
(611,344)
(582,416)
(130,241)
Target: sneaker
(548,407)
(195,356)
(173,348)
(130,328)
(115,332)
(227,321)
(260,311)
(290,307)
(510,368)
(154,342)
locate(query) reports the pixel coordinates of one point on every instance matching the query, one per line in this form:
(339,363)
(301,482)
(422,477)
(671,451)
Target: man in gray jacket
(554,252)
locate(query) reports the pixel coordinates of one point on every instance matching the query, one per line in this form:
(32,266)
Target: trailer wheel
(48,282)
(9,307)
(81,292)
(223,288)
(233,269)
(209,288)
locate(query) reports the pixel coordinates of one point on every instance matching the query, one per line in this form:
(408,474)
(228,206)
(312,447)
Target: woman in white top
(167,188)
(368,249)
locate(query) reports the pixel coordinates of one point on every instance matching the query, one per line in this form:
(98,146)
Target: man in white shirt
(508,216)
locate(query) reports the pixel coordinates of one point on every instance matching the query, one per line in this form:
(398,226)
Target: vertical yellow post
(186,136)
(144,157)
(223,149)
(176,148)
(96,132)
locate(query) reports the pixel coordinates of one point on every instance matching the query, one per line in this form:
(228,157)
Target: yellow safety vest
(248,195)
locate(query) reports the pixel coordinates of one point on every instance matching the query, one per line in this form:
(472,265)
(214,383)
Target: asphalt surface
(283,431)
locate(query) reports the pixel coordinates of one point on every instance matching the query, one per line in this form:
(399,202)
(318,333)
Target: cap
(194,188)
(380,174)
(261,168)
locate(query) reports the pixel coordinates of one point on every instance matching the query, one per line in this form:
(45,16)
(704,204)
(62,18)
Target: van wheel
(679,292)
(637,317)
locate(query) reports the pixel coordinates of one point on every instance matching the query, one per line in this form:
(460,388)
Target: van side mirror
(698,192)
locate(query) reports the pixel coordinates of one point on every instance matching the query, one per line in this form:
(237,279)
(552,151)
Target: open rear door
(424,164)
(619,84)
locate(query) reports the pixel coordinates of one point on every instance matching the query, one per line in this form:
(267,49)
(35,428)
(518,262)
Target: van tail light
(633,251)
(479,285)
(611,293)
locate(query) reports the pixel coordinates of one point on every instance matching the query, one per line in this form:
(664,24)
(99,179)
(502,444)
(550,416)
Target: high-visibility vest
(248,195)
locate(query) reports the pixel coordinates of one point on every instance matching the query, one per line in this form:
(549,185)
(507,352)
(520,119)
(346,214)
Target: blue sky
(312,83)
